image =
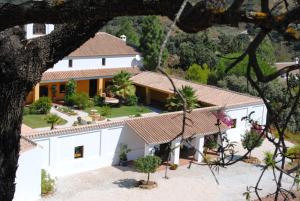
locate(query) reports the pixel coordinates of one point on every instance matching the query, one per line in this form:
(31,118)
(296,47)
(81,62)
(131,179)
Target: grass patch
(122,111)
(38,121)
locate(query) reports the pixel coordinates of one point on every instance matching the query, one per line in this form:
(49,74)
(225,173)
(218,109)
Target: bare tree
(23,61)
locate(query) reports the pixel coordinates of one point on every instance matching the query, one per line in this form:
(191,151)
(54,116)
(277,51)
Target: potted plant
(124,150)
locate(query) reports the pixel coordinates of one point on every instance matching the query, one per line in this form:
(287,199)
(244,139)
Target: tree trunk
(11,101)
(148,178)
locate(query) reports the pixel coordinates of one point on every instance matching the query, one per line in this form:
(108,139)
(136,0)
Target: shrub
(131,100)
(25,110)
(105,110)
(147,164)
(81,100)
(268,160)
(138,115)
(211,143)
(99,100)
(198,73)
(70,91)
(66,110)
(47,183)
(251,140)
(294,152)
(41,106)
(124,150)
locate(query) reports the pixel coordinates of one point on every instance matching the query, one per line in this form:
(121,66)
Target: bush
(70,91)
(251,140)
(26,111)
(81,100)
(211,143)
(105,110)
(99,100)
(131,100)
(47,183)
(198,73)
(41,106)
(294,152)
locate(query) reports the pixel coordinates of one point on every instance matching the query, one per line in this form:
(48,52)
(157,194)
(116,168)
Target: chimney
(123,38)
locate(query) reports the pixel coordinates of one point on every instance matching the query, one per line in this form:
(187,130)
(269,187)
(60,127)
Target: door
(44,91)
(93,88)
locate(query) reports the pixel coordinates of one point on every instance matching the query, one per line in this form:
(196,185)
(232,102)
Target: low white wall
(259,115)
(85,63)
(101,148)
(28,178)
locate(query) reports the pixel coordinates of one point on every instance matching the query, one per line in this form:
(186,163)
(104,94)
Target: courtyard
(196,183)
(190,184)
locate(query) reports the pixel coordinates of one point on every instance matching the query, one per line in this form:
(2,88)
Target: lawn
(122,111)
(38,121)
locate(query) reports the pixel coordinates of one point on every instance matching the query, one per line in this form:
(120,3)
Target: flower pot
(123,163)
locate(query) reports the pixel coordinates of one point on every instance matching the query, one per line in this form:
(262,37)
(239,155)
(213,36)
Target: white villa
(76,149)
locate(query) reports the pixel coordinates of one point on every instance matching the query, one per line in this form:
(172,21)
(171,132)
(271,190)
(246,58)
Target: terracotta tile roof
(104,44)
(205,93)
(164,128)
(71,130)
(26,144)
(158,129)
(81,74)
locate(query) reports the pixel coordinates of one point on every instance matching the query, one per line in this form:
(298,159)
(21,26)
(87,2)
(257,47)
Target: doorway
(44,91)
(93,88)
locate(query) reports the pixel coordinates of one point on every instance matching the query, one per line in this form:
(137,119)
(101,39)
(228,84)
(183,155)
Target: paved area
(194,184)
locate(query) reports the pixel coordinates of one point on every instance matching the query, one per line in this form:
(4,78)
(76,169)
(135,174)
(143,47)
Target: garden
(122,90)
(38,115)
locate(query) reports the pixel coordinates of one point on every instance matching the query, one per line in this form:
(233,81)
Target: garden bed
(252,160)
(144,185)
(66,110)
(121,111)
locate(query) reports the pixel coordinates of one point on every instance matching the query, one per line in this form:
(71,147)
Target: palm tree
(53,119)
(122,86)
(175,102)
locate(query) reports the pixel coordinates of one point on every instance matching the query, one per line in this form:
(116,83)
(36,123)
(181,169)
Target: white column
(175,147)
(149,149)
(199,143)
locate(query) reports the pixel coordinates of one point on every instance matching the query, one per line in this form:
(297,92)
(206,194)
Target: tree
(150,42)
(52,119)
(251,139)
(198,74)
(176,103)
(122,86)
(23,61)
(129,31)
(193,49)
(147,164)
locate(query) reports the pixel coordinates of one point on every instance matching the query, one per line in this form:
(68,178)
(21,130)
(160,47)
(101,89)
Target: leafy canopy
(151,39)
(122,86)
(198,73)
(175,102)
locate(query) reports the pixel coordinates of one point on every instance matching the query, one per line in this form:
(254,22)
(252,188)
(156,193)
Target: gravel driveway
(197,183)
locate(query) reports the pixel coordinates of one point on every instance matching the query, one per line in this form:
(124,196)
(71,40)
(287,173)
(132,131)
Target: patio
(196,183)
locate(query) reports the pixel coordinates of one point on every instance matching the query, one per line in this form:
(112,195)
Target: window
(70,63)
(103,61)
(233,123)
(39,29)
(62,88)
(78,152)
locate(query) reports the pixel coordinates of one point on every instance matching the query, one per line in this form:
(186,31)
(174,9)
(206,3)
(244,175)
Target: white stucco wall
(101,148)
(29,30)
(84,63)
(259,115)
(28,178)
